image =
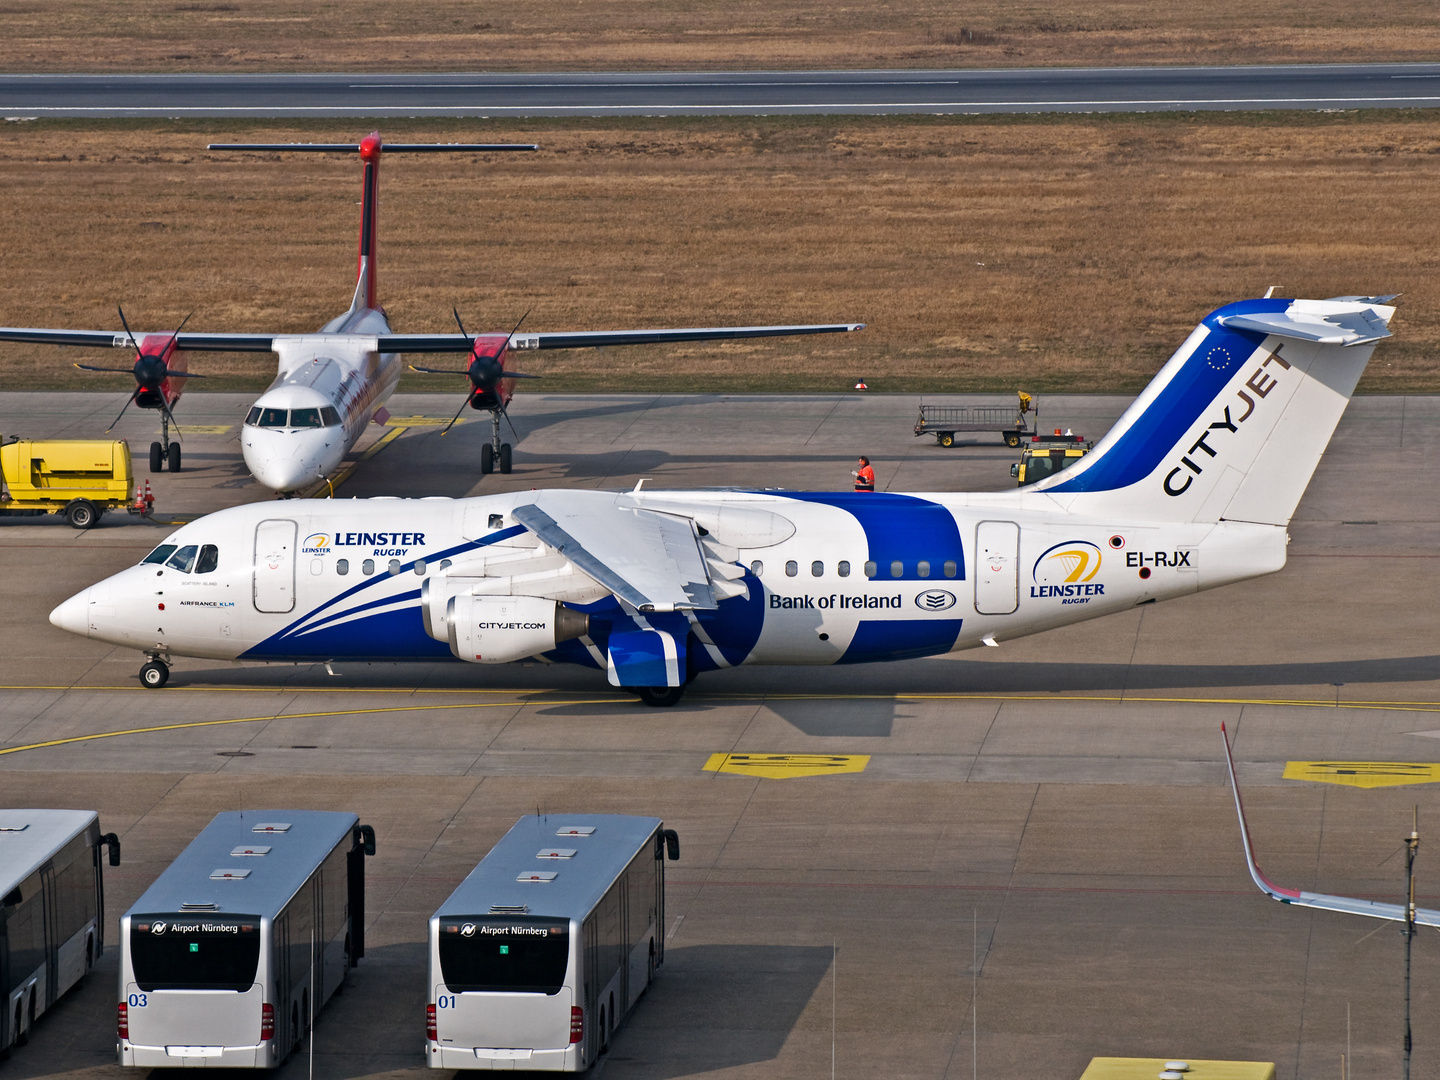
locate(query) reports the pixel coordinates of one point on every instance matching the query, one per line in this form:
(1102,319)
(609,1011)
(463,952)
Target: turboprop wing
(1300,898)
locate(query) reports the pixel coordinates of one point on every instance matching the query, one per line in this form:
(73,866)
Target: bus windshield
(501,953)
(194,952)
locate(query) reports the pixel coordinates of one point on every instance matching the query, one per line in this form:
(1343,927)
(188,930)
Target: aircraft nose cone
(73,614)
(282,471)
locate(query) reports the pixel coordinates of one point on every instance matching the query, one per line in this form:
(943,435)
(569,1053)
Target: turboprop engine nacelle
(499,629)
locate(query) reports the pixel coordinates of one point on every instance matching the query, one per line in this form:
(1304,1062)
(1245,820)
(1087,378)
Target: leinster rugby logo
(316,544)
(1067,571)
(935,600)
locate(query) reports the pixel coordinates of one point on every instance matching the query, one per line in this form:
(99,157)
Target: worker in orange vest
(864,476)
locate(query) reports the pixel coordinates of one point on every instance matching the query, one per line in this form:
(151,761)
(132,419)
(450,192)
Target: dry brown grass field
(508,35)
(984,253)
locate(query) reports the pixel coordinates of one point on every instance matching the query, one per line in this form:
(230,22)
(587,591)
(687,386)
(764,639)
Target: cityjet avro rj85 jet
(331,384)
(1191,489)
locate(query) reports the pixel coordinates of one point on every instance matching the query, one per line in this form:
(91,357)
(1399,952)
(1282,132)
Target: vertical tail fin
(1234,424)
(370,149)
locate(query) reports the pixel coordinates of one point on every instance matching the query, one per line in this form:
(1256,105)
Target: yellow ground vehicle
(1042,457)
(79,478)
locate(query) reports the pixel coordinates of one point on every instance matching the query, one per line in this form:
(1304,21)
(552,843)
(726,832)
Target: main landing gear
(165,453)
(154,673)
(659,697)
(495,452)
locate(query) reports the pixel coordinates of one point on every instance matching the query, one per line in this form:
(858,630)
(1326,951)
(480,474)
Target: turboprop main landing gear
(165,454)
(154,673)
(495,451)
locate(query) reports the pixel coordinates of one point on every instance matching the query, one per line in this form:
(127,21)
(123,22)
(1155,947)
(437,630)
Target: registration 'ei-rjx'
(1192,488)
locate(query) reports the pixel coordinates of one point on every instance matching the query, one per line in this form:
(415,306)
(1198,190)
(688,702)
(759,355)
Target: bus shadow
(714,1007)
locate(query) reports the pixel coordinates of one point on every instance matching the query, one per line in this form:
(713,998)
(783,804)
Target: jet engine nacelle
(499,629)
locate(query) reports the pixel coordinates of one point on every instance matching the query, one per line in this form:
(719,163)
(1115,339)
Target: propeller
(149,369)
(484,372)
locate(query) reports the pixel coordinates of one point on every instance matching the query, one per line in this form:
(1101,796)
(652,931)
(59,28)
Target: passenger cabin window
(871,569)
(342,566)
(367,567)
(394,567)
(757,568)
(817,569)
(897,568)
(209,559)
(792,568)
(160,554)
(950,568)
(305,418)
(843,568)
(922,568)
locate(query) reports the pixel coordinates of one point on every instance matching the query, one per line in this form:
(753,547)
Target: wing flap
(651,561)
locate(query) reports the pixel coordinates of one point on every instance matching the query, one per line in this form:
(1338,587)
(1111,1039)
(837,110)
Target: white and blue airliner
(1192,488)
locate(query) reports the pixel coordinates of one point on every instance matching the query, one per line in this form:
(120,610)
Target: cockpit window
(159,555)
(330,416)
(273,418)
(253,417)
(184,559)
(209,559)
(305,418)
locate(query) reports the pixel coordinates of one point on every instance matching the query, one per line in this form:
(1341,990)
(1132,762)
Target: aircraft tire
(505,457)
(157,457)
(659,697)
(172,458)
(154,674)
(487,459)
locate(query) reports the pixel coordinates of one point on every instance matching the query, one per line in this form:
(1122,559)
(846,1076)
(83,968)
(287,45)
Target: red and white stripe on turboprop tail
(1232,427)
(370,149)
(1347,904)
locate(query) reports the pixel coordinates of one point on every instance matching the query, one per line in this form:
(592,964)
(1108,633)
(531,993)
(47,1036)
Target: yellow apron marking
(1108,1068)
(782,766)
(1364,774)
(419,421)
(207,429)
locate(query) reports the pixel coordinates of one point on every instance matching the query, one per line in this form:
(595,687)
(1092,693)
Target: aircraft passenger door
(997,567)
(275,566)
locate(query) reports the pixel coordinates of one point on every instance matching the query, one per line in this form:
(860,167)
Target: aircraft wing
(1347,904)
(594,339)
(650,560)
(110,339)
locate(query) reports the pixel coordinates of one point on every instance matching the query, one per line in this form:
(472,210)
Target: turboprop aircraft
(1191,489)
(332,383)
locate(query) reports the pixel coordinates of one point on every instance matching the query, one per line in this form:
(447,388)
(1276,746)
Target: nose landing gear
(154,673)
(165,454)
(495,452)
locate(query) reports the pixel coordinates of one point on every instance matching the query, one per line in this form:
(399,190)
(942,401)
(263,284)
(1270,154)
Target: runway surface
(1046,822)
(745,93)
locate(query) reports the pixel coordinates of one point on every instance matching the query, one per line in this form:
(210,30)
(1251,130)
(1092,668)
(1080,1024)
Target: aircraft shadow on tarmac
(720,1006)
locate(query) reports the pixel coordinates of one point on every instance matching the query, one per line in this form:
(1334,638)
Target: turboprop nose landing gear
(495,452)
(154,673)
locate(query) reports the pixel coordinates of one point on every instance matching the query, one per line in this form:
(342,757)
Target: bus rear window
(514,955)
(189,952)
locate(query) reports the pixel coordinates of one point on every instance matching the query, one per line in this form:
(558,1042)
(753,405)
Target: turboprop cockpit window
(253,416)
(273,418)
(330,416)
(305,418)
(160,554)
(184,559)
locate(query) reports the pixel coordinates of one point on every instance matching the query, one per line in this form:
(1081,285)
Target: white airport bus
(544,948)
(226,958)
(52,910)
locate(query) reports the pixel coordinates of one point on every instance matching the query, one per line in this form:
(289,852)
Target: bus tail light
(432,1031)
(122,1023)
(577,1024)
(267,1022)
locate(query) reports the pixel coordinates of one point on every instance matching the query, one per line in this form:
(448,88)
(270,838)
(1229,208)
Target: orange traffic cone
(861,385)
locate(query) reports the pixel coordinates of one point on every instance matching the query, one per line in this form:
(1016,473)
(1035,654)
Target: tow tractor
(945,421)
(1046,456)
(78,478)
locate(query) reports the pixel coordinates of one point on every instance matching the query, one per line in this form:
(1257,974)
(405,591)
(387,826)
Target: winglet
(1285,896)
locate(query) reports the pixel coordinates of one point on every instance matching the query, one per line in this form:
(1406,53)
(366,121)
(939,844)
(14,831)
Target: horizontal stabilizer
(1349,905)
(1335,328)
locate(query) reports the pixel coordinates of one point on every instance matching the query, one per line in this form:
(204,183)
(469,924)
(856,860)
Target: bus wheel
(294,1026)
(22,1035)
(660,697)
(604,1033)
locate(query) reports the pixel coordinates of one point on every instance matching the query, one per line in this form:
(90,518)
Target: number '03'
(137,1001)
(446,1001)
